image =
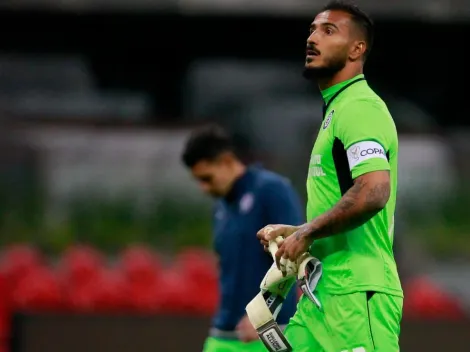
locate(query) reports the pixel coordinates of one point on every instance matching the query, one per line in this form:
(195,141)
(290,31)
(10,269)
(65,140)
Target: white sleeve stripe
(359,152)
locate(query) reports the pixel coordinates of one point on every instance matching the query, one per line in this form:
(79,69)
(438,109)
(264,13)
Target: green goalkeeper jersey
(357,136)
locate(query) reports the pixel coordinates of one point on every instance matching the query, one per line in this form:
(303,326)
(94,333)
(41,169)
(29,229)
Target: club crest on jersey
(328,119)
(246,203)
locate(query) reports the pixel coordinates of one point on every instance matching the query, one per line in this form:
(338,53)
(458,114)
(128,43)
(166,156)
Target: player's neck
(344,75)
(239,170)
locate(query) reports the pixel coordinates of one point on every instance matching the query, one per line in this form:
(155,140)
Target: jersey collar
(328,93)
(241,184)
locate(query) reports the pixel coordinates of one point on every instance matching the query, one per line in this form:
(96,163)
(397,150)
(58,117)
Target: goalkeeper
(352,187)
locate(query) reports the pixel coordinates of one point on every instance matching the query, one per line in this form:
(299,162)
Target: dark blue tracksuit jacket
(258,198)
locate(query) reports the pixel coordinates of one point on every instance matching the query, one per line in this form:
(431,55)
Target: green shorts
(214,344)
(357,322)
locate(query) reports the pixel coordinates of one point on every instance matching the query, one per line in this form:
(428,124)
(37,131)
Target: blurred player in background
(248,198)
(351,185)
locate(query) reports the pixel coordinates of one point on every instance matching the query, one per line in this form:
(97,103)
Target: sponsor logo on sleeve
(362,151)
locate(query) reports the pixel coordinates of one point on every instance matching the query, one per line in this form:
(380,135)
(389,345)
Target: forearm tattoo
(360,203)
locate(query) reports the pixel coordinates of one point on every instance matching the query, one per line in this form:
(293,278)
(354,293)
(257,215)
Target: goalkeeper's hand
(271,232)
(245,330)
(297,241)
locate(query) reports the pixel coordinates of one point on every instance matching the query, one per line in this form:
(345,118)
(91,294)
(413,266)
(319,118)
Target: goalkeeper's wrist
(306,230)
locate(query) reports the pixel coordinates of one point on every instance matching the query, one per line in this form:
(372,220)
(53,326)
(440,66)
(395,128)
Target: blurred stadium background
(105,240)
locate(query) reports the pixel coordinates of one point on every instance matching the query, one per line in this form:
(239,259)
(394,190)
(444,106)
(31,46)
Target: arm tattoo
(360,203)
(378,195)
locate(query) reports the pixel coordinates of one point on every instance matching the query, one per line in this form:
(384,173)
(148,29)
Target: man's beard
(329,70)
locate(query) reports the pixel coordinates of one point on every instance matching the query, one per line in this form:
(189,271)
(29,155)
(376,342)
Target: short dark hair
(207,143)
(359,17)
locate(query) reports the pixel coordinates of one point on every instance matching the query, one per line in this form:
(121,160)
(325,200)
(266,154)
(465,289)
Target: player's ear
(225,158)
(357,50)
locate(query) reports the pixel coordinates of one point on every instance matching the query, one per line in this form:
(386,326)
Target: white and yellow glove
(264,308)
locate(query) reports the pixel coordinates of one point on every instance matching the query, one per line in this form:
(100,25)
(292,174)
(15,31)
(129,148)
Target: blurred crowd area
(97,213)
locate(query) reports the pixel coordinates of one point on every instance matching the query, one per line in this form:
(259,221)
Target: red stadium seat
(17,260)
(198,265)
(80,264)
(139,264)
(38,290)
(197,270)
(4,310)
(111,292)
(190,254)
(425,300)
(20,256)
(148,298)
(142,270)
(80,268)
(81,298)
(177,295)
